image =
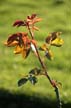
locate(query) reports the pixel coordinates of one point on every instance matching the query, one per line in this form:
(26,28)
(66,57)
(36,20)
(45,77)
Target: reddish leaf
(18,38)
(26,40)
(32,16)
(19,23)
(31,20)
(13,37)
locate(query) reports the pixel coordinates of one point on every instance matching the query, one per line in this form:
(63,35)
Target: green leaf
(32,79)
(22,81)
(35,71)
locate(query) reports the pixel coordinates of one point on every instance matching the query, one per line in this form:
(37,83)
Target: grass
(56,17)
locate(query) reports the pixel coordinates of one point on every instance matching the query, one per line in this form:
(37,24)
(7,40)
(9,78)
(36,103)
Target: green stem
(59,104)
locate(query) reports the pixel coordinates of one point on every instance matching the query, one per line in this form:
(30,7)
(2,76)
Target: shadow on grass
(10,100)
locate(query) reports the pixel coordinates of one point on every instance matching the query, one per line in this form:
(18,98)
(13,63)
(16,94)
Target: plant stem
(46,73)
(41,62)
(59,104)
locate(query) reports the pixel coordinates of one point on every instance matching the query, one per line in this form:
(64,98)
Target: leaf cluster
(24,43)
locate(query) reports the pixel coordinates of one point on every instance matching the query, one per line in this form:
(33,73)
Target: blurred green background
(56,15)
